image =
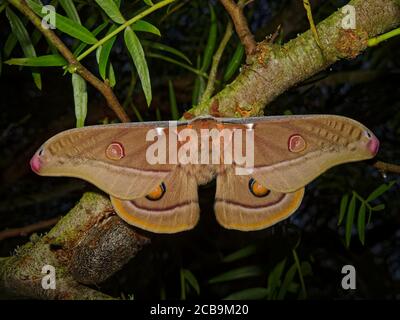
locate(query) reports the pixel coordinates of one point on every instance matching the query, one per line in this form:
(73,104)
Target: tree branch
(87,246)
(273,68)
(239,20)
(103,87)
(23,231)
(387,167)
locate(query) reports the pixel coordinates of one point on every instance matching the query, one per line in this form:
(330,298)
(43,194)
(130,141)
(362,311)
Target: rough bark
(87,246)
(273,69)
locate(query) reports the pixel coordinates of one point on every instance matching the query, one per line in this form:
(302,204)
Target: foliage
(348,210)
(71,25)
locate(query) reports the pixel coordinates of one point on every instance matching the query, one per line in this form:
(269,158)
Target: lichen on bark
(87,246)
(275,68)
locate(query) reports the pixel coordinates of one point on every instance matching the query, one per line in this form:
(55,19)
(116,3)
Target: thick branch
(103,87)
(387,167)
(241,26)
(87,246)
(274,69)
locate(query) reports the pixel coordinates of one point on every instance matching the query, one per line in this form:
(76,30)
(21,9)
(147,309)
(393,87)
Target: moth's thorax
(203,173)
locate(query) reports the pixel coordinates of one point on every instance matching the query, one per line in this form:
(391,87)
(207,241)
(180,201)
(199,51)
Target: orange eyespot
(157,193)
(257,189)
(115,151)
(296,143)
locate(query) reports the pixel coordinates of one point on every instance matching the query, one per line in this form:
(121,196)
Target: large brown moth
(151,170)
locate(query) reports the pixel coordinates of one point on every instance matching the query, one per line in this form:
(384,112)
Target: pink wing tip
(373,145)
(35,163)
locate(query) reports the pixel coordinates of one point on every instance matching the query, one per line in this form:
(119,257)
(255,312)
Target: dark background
(366,89)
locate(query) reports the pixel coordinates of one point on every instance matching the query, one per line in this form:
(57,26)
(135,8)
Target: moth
(152,170)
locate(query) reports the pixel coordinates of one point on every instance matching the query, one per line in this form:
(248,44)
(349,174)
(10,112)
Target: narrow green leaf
(199,87)
(191,279)
(3,5)
(95,32)
(137,113)
(12,40)
(172,101)
(350,220)
(274,278)
(105,51)
(36,36)
(239,273)
(369,215)
(10,44)
(379,207)
(136,50)
(183,285)
(287,281)
(52,60)
(145,26)
(70,10)
(178,63)
(306,269)
(379,191)
(303,293)
(361,223)
(211,42)
(158,114)
(293,287)
(80,99)
(249,294)
(148,2)
(343,207)
(240,254)
(234,63)
(111,76)
(66,25)
(163,47)
(24,40)
(111,9)
(92,20)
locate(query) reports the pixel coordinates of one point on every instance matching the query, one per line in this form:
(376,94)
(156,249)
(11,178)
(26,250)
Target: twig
(383,37)
(275,69)
(387,167)
(124,26)
(75,65)
(23,231)
(216,59)
(239,20)
(182,65)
